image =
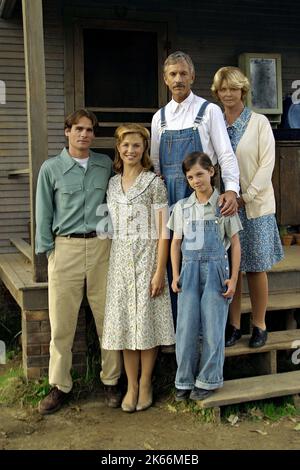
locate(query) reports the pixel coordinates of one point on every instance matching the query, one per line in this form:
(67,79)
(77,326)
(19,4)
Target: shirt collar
(184,104)
(69,162)
(193,200)
(242,120)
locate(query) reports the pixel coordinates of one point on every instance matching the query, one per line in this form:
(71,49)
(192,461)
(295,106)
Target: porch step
(22,246)
(284,276)
(254,388)
(277,340)
(277,301)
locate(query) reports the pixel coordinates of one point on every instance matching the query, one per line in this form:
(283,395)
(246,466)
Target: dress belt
(81,235)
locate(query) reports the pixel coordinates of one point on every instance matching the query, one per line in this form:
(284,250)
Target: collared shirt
(237,129)
(212,130)
(229,226)
(68,198)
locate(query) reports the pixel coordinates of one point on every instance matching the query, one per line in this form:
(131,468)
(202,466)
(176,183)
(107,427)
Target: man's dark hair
(74,117)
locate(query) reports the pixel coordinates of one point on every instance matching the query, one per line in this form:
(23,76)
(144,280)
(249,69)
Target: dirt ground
(89,424)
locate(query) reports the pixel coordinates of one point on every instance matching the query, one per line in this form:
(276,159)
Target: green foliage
(272,409)
(15,389)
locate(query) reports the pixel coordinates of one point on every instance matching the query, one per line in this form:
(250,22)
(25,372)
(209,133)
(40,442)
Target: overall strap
(201,112)
(163,122)
(218,212)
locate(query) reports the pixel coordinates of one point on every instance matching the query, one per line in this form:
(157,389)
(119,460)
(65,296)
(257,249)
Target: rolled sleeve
(155,140)
(222,147)
(175,222)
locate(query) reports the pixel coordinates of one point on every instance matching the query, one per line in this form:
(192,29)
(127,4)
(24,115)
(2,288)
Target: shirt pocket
(99,190)
(69,194)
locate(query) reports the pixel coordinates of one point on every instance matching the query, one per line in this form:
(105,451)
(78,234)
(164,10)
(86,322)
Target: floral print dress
(133,320)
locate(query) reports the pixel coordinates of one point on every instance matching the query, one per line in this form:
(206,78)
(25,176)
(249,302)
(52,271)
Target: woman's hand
(157,284)
(174,285)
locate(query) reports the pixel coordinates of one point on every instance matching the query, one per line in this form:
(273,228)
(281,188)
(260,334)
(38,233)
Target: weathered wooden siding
(213,33)
(14,192)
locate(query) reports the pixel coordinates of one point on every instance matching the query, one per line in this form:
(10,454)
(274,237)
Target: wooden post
(36,111)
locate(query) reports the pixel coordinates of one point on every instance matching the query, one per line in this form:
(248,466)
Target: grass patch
(273,409)
(14,388)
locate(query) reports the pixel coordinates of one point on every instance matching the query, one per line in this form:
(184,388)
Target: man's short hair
(74,117)
(179,56)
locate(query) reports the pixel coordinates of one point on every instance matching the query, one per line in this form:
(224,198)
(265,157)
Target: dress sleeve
(159,194)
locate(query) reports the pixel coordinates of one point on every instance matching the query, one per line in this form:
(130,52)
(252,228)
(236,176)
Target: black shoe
(200,393)
(182,395)
(258,338)
(232,335)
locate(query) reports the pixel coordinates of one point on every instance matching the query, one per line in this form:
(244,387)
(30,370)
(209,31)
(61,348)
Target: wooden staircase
(268,382)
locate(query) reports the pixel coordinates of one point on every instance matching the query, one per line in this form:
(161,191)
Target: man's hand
(229,203)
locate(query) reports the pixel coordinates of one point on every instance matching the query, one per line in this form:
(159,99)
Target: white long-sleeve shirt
(213,135)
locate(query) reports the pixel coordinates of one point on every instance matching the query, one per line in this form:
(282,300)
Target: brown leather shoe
(53,401)
(113,396)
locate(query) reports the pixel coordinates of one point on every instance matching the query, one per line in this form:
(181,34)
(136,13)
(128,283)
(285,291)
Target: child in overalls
(204,283)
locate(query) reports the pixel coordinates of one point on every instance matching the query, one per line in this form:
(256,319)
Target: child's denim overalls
(174,147)
(201,307)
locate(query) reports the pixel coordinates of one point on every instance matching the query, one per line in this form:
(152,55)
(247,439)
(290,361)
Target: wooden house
(58,55)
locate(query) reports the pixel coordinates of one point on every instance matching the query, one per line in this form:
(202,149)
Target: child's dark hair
(203,160)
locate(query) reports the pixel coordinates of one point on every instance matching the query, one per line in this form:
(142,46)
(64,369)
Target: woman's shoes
(232,335)
(127,406)
(141,406)
(258,338)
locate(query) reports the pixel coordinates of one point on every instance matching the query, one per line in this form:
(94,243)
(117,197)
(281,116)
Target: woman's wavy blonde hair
(120,134)
(234,78)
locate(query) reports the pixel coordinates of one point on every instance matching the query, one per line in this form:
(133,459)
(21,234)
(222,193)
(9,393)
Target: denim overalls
(174,147)
(201,307)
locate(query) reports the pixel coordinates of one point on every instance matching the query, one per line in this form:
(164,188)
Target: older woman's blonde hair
(120,134)
(234,78)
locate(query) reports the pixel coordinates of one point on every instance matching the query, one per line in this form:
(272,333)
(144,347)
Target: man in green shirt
(71,191)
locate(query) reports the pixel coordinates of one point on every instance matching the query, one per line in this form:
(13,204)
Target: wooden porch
(284,299)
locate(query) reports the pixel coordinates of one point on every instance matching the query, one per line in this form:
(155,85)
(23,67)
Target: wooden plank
(254,388)
(36,108)
(22,246)
(277,340)
(17,173)
(12,281)
(280,301)
(124,110)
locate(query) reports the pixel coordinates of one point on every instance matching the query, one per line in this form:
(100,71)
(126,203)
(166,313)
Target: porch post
(36,111)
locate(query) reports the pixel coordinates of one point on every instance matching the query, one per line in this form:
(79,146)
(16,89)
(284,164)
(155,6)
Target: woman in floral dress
(252,140)
(138,315)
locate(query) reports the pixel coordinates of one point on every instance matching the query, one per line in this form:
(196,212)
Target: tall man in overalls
(188,123)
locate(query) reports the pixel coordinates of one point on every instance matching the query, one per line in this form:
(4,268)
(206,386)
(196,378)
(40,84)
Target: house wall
(14,192)
(213,33)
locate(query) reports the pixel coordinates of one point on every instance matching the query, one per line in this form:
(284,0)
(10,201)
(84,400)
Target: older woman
(253,142)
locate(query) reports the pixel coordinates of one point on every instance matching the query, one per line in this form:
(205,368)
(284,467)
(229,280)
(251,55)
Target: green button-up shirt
(68,197)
